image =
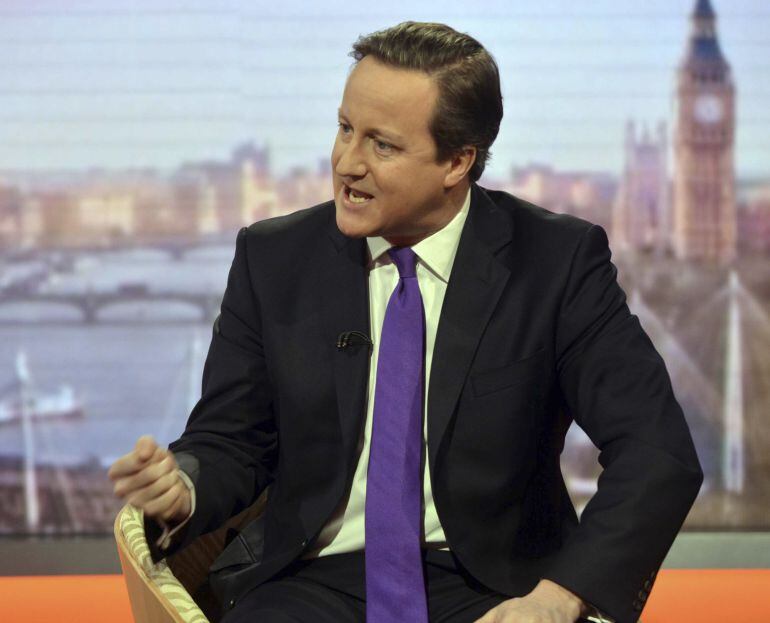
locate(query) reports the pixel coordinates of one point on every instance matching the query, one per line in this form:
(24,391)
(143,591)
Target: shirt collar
(437,251)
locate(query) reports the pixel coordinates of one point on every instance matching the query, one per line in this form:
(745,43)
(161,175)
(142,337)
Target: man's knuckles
(124,466)
(154,472)
(161,485)
(518,610)
(163,506)
(135,462)
(152,500)
(145,485)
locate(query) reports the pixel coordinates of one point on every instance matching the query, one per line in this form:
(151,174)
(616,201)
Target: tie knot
(405,260)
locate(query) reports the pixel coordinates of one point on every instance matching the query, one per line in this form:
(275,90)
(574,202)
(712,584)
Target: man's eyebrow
(386,133)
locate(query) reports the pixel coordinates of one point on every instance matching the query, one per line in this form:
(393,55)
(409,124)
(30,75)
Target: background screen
(137,137)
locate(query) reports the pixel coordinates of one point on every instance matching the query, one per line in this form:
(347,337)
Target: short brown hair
(469,106)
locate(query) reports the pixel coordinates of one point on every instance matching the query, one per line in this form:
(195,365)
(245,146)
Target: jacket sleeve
(616,387)
(229,446)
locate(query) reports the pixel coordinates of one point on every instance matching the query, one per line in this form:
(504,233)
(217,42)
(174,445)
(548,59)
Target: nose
(350,162)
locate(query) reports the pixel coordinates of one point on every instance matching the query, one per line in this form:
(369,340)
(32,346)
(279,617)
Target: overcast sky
(157,82)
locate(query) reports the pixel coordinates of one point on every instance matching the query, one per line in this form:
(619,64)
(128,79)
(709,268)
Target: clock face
(708,109)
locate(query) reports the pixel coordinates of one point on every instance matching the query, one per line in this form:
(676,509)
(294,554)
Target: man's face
(384,149)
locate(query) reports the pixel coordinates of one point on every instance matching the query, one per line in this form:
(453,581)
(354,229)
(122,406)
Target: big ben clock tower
(704,178)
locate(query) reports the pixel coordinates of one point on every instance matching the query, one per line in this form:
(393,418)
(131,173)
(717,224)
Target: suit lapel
(475,285)
(345,301)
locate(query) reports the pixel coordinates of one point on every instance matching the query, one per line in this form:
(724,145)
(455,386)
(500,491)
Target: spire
(704,20)
(703,10)
(703,49)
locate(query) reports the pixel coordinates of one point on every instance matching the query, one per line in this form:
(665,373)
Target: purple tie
(395,585)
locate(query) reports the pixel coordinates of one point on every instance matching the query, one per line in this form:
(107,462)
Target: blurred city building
(640,218)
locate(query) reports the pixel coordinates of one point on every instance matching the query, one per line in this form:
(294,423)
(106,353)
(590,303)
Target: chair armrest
(156,595)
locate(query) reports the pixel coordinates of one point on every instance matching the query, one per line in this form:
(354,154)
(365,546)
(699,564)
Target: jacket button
(637,606)
(231,603)
(642,596)
(304,543)
(647,585)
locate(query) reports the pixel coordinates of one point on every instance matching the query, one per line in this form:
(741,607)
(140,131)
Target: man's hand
(547,603)
(147,477)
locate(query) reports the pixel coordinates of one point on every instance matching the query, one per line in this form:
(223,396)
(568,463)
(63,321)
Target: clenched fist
(147,477)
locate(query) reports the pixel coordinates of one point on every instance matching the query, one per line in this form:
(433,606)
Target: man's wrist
(174,526)
(573,605)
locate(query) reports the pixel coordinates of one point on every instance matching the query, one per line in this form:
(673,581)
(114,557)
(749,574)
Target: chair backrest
(176,589)
(156,596)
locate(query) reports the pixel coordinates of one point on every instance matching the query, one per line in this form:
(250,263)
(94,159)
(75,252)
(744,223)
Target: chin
(353,228)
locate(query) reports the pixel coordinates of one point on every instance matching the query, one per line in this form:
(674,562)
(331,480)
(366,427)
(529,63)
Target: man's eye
(383,146)
(343,126)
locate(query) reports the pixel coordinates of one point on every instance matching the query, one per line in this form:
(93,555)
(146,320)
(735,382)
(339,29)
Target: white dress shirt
(344,532)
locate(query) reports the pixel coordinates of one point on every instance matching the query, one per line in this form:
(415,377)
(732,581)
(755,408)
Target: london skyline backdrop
(110,276)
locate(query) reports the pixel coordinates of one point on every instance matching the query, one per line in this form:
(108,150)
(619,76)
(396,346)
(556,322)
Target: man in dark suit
(484,324)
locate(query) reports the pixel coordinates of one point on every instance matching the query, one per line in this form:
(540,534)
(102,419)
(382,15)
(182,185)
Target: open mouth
(356,197)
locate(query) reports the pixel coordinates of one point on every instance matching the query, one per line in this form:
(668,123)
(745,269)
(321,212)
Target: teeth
(355,198)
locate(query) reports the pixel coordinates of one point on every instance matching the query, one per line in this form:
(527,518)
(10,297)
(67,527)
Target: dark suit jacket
(534,332)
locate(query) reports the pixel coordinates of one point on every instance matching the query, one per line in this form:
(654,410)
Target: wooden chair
(174,590)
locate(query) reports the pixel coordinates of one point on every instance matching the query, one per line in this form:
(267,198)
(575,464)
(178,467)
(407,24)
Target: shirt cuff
(164,540)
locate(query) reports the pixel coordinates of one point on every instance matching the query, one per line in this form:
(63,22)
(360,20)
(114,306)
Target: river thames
(135,371)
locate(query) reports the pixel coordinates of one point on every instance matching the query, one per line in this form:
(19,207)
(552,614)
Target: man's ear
(459,164)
